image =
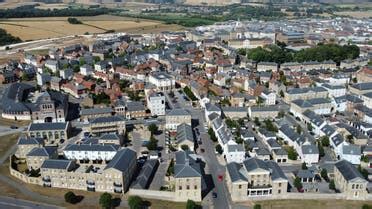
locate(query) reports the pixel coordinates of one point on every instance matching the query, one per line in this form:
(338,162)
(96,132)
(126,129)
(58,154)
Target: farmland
(50,27)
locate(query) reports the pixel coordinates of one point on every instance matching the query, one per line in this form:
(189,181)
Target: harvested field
(51,27)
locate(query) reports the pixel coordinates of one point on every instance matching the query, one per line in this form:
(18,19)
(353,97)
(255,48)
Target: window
(195,187)
(353,186)
(279,191)
(188,187)
(240,186)
(280,184)
(180,187)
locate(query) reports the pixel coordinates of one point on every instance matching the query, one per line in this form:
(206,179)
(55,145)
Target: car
(200,142)
(86,134)
(13,127)
(214,194)
(220,178)
(202,150)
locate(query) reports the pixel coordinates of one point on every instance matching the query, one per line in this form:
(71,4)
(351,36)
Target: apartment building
(38,155)
(255,178)
(156,103)
(110,124)
(115,177)
(52,133)
(26,144)
(305,93)
(90,152)
(349,181)
(263,112)
(162,81)
(176,117)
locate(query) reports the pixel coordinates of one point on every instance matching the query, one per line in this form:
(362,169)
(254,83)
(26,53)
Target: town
(219,115)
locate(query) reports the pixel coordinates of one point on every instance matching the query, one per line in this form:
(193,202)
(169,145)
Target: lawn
(7,122)
(160,204)
(312,204)
(6,142)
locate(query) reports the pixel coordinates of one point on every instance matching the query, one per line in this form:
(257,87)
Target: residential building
(176,117)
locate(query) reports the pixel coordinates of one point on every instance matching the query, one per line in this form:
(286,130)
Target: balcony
(91,183)
(91,189)
(47,185)
(46,179)
(117,184)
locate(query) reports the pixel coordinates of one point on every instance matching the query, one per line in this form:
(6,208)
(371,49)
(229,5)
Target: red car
(220,177)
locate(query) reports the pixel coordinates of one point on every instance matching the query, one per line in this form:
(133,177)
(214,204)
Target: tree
(365,206)
(325,141)
(105,200)
(191,204)
(297,183)
(292,154)
(153,128)
(324,174)
(212,135)
(219,149)
(281,93)
(309,127)
(299,129)
(304,166)
(185,147)
(152,144)
(170,170)
(257,206)
(332,185)
(321,150)
(257,121)
(70,197)
(363,171)
(135,202)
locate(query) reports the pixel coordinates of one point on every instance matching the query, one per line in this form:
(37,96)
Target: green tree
(257,206)
(299,129)
(152,144)
(332,185)
(324,174)
(257,121)
(309,127)
(325,141)
(105,200)
(153,128)
(304,166)
(297,183)
(281,93)
(219,149)
(170,170)
(185,147)
(365,206)
(212,135)
(70,197)
(135,202)
(190,204)
(292,154)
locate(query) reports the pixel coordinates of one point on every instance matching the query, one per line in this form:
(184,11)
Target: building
(188,176)
(38,155)
(349,181)
(162,81)
(115,177)
(263,112)
(111,124)
(52,133)
(185,136)
(88,153)
(88,114)
(156,103)
(26,144)
(361,88)
(176,117)
(305,93)
(267,66)
(255,178)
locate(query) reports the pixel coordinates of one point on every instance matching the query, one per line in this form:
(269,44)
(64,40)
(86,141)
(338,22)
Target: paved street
(13,203)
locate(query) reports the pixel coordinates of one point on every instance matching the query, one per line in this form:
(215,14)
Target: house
(361,88)
(349,181)
(86,70)
(185,136)
(188,176)
(267,66)
(162,81)
(87,114)
(104,125)
(255,178)
(263,112)
(305,93)
(269,97)
(111,139)
(307,178)
(235,112)
(176,117)
(135,109)
(350,153)
(90,153)
(234,153)
(26,144)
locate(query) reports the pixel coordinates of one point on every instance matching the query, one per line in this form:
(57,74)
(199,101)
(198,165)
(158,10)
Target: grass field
(356,14)
(50,27)
(312,204)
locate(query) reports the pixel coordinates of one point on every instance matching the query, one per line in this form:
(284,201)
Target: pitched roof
(47,126)
(254,163)
(234,173)
(42,151)
(56,164)
(122,160)
(348,171)
(186,166)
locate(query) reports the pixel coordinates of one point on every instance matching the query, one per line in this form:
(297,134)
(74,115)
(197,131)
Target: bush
(185,147)
(219,149)
(257,206)
(135,202)
(325,141)
(297,183)
(190,204)
(73,20)
(70,197)
(153,128)
(332,185)
(105,200)
(292,154)
(212,135)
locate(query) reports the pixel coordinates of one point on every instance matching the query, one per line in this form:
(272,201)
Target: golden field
(51,27)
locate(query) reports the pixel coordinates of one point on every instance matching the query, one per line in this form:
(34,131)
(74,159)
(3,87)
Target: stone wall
(153,194)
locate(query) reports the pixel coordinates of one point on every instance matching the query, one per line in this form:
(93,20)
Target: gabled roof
(29,141)
(42,151)
(234,173)
(254,163)
(276,172)
(108,119)
(348,171)
(122,160)
(184,133)
(92,147)
(47,126)
(186,166)
(57,164)
(178,112)
(146,174)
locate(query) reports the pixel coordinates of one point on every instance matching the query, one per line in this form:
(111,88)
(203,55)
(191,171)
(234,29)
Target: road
(13,203)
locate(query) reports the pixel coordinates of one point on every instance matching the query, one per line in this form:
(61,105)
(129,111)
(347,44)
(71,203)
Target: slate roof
(122,160)
(348,171)
(235,148)
(13,97)
(94,111)
(254,163)
(56,164)
(92,147)
(309,149)
(178,112)
(184,133)
(110,137)
(186,166)
(363,86)
(337,139)
(234,173)
(314,118)
(28,141)
(47,126)
(276,172)
(351,149)
(108,119)
(305,174)
(212,108)
(146,174)
(42,151)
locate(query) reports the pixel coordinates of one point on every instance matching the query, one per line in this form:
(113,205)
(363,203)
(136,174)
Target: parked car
(13,127)
(202,150)
(214,194)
